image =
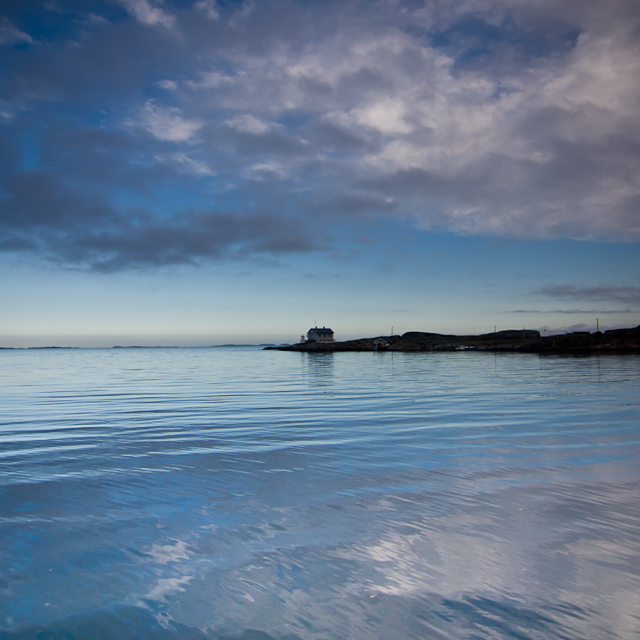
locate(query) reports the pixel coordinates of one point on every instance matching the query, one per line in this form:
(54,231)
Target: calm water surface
(236,493)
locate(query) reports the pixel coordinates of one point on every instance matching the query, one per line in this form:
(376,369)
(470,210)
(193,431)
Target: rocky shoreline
(522,341)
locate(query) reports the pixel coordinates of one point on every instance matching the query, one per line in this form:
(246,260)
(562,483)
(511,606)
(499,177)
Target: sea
(241,494)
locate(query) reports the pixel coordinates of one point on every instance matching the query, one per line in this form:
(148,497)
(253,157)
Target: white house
(319,335)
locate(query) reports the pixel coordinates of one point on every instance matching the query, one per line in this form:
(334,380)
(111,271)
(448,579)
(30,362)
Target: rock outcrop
(524,341)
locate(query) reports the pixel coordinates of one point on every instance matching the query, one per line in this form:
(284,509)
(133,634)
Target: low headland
(517,340)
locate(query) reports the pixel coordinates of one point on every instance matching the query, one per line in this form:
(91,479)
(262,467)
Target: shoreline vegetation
(522,341)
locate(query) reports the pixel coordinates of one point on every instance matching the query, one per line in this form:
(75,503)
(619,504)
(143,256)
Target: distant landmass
(140,346)
(32,348)
(523,341)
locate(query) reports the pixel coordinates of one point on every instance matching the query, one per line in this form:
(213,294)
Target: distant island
(521,341)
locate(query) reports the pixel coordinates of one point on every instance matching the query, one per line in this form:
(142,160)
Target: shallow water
(239,493)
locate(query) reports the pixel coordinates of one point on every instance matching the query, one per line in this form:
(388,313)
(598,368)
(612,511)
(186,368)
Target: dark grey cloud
(135,238)
(196,237)
(603,293)
(350,204)
(44,215)
(576,311)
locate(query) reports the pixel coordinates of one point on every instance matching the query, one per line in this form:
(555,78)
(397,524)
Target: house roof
(323,330)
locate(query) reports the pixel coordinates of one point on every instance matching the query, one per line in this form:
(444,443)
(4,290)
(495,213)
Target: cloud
(544,147)
(11,35)
(185,163)
(96,19)
(210,80)
(149,13)
(248,124)
(602,293)
(209,8)
(168,85)
(577,311)
(47,215)
(548,154)
(167,123)
(487,117)
(79,232)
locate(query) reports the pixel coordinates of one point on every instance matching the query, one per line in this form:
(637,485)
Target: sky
(197,172)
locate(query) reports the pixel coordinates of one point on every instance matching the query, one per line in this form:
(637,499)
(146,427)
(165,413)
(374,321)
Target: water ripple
(236,493)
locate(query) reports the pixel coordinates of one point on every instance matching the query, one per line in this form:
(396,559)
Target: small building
(319,335)
(379,344)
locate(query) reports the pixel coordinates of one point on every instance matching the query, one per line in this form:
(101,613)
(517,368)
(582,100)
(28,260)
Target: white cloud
(248,124)
(94,18)
(211,80)
(167,123)
(535,177)
(168,85)
(149,13)
(532,146)
(186,164)
(209,8)
(269,171)
(386,115)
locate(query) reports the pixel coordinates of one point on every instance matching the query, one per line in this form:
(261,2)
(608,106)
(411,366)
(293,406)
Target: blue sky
(201,172)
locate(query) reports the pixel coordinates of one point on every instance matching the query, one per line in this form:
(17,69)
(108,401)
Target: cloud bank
(130,130)
(602,293)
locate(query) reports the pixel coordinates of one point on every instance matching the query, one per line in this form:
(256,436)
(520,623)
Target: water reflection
(248,495)
(318,368)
